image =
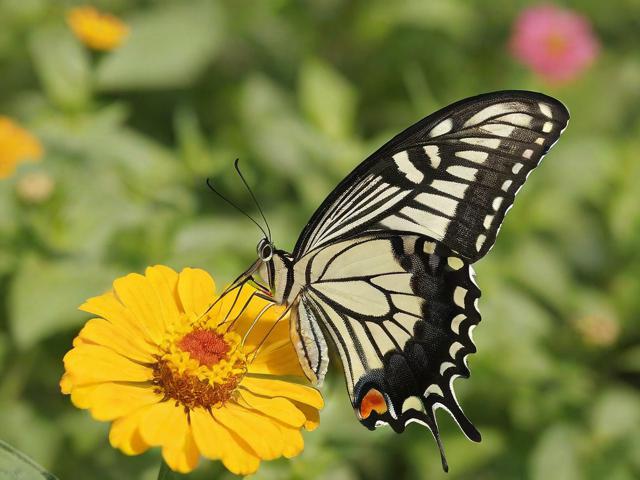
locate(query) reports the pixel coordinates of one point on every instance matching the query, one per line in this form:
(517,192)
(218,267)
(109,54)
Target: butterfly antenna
(255,200)
(214,190)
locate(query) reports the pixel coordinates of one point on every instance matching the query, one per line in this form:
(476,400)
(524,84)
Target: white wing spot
(473,155)
(465,173)
(496,203)
(433,153)
(517,167)
(455,263)
(428,220)
(506,185)
(455,323)
(452,188)
(483,142)
(445,366)
(492,111)
(405,166)
(412,402)
(520,119)
(545,109)
(487,221)
(499,129)
(527,153)
(433,389)
(441,128)
(455,347)
(429,247)
(443,204)
(458,296)
(480,241)
(539,141)
(547,127)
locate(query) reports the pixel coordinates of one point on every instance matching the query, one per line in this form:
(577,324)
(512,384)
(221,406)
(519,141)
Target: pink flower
(557,44)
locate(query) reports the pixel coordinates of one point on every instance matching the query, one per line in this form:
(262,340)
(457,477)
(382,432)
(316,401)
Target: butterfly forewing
(452,176)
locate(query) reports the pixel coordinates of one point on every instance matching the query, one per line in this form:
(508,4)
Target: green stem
(165,472)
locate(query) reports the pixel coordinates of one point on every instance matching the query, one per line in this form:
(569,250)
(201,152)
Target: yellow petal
(183,458)
(164,424)
(125,434)
(108,401)
(247,318)
(102,332)
(210,437)
(293,441)
(312,414)
(95,364)
(277,357)
(197,290)
(279,388)
(216,442)
(258,431)
(138,295)
(279,408)
(165,282)
(110,308)
(66,383)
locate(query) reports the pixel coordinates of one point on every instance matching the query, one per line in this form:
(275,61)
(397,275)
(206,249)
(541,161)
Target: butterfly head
(265,250)
(272,267)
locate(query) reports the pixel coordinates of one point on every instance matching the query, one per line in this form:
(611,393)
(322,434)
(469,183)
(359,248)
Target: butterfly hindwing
(400,310)
(452,176)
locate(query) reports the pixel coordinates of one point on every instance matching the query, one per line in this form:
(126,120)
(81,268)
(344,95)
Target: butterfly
(383,270)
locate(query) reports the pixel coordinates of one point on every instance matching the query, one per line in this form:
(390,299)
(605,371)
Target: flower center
(206,346)
(201,367)
(556,44)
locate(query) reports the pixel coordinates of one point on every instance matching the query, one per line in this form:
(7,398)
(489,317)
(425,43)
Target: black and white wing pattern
(400,310)
(452,176)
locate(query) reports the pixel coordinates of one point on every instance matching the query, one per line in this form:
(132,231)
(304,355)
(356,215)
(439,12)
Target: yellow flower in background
(168,373)
(17,145)
(97,30)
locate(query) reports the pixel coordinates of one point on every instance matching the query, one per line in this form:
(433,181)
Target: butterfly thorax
(284,277)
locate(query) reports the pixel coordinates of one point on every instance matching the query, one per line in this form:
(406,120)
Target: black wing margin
(452,176)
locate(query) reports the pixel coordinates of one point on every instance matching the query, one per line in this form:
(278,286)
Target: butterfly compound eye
(265,250)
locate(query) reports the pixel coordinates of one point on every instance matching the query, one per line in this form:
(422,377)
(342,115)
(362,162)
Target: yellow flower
(17,145)
(170,374)
(97,30)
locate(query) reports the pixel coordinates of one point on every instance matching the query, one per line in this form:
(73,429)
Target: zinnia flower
(557,44)
(97,30)
(171,374)
(17,145)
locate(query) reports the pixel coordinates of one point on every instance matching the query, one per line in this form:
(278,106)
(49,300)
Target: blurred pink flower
(557,44)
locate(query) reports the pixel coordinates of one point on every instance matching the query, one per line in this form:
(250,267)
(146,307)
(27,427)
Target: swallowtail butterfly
(383,270)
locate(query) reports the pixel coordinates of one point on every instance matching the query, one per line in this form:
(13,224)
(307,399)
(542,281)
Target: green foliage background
(301,92)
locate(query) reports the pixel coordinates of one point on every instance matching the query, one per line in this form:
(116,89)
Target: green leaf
(169,47)
(327,98)
(556,454)
(62,65)
(45,296)
(616,414)
(15,465)
(32,433)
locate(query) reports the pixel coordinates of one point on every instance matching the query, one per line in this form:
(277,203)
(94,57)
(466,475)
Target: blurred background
(108,132)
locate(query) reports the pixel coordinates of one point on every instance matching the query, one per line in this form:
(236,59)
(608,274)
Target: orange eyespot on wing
(373,400)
